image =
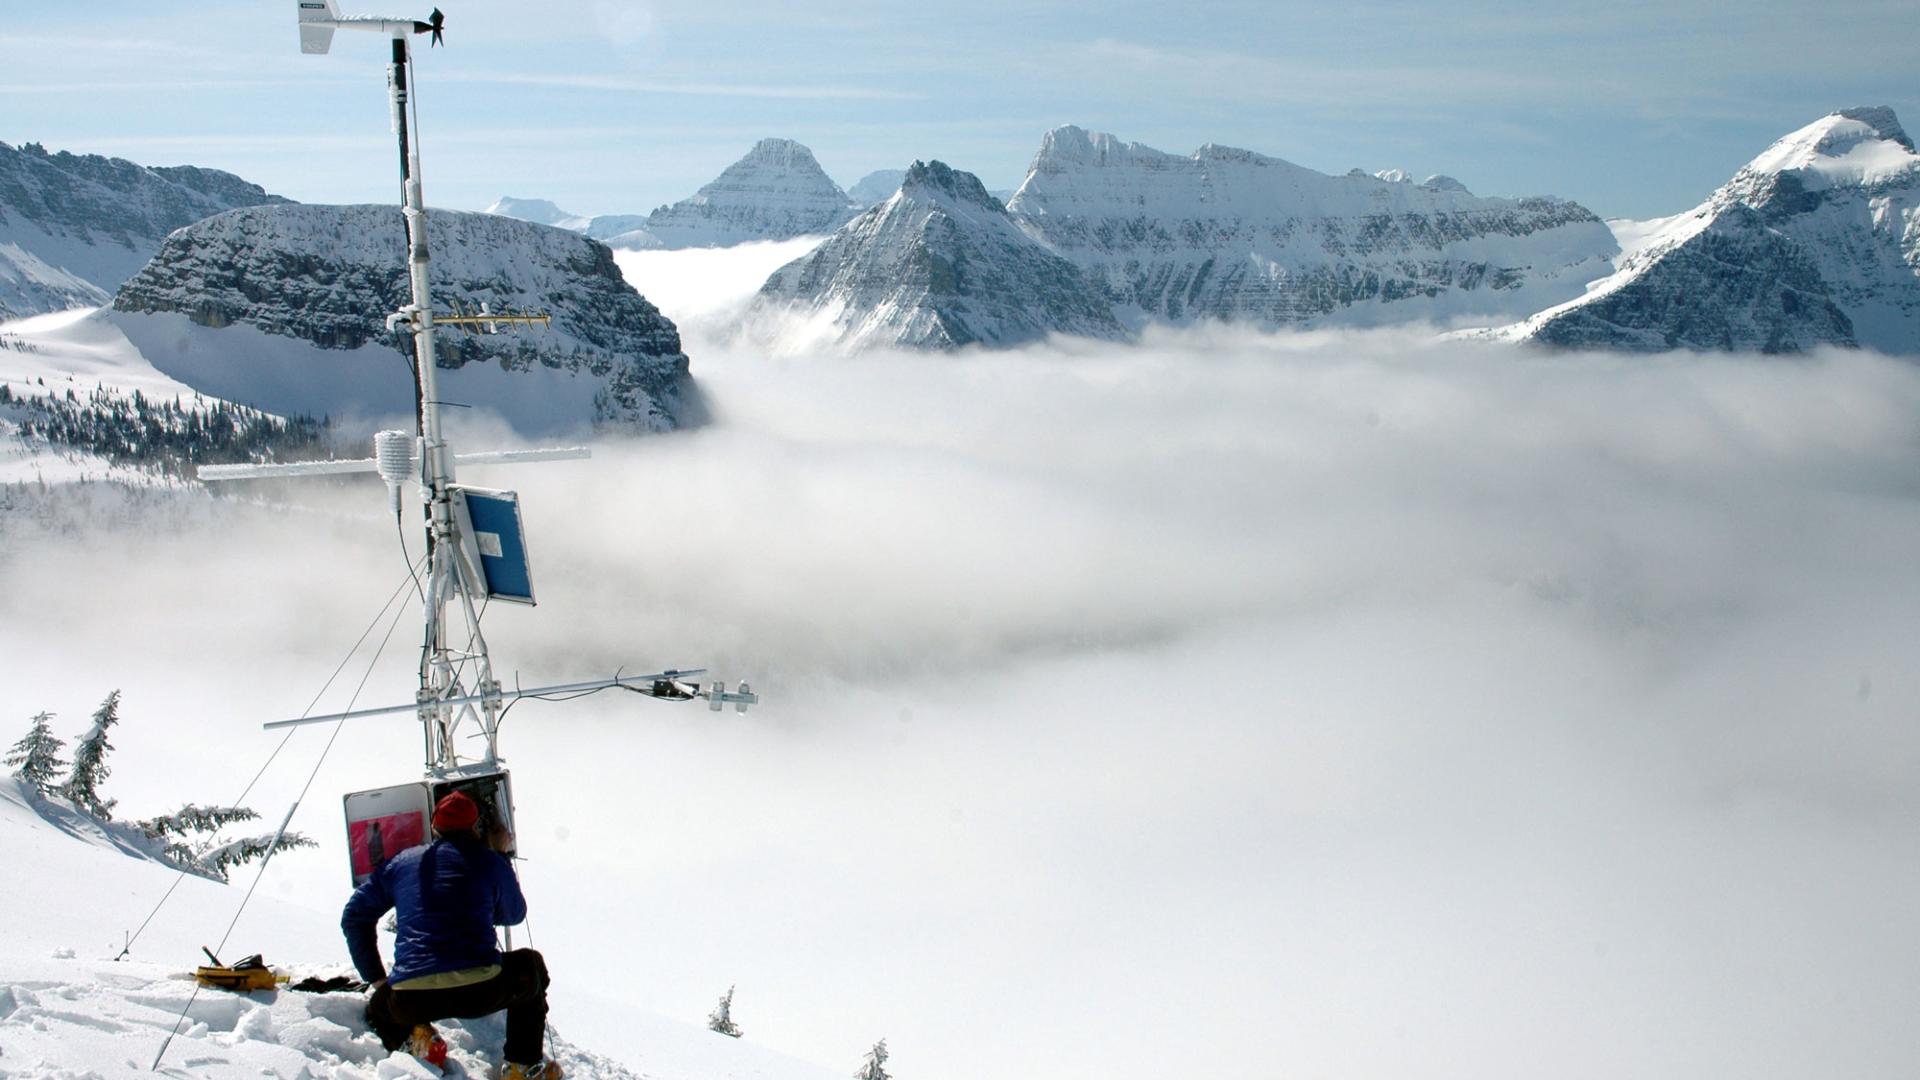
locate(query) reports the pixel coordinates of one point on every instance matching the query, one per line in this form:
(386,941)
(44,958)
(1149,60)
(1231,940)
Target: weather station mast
(475,543)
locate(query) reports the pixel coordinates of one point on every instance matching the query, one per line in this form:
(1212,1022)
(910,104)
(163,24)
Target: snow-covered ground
(1634,235)
(69,1010)
(48,355)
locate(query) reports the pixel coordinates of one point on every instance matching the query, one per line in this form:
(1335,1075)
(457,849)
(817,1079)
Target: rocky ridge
(1814,242)
(74,226)
(1233,235)
(325,277)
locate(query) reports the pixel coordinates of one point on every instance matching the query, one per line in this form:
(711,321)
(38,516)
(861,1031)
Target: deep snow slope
(282,308)
(1233,235)
(1816,241)
(74,226)
(68,1010)
(938,265)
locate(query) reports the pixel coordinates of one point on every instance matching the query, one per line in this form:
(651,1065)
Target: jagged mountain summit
(1814,242)
(939,265)
(1233,235)
(777,192)
(283,308)
(74,226)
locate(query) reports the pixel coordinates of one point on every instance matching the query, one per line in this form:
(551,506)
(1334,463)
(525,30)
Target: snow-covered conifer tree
(221,860)
(192,818)
(874,1067)
(721,1019)
(36,758)
(90,762)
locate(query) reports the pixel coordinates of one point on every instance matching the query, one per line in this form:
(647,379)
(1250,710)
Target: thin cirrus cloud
(671,86)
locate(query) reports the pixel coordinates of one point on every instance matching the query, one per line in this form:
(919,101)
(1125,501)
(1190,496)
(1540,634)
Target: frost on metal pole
(476,545)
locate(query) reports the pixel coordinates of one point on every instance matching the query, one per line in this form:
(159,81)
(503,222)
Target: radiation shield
(384,822)
(493,542)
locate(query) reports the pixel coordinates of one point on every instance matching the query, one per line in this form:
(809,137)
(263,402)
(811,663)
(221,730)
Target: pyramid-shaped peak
(784,152)
(940,179)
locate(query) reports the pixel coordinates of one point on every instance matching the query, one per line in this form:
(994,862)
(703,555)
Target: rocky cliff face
(1234,235)
(940,264)
(282,307)
(1816,241)
(73,227)
(777,192)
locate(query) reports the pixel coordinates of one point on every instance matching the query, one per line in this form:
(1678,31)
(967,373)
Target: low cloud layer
(1230,704)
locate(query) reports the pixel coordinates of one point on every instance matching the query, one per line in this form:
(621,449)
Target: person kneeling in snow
(450,894)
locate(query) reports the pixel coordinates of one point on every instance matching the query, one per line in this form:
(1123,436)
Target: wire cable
(274,847)
(284,739)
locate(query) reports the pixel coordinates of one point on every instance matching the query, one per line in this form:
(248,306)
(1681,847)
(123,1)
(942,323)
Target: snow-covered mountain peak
(1442,182)
(783,153)
(1881,120)
(776,192)
(940,181)
(939,265)
(1071,146)
(1394,176)
(1859,147)
(1228,233)
(538,211)
(1814,242)
(1214,152)
(74,226)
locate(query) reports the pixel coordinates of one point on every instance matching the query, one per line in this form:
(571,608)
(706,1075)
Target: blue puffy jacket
(450,895)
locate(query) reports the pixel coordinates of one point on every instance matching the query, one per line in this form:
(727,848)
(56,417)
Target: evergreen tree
(194,819)
(721,1019)
(90,762)
(874,1067)
(36,758)
(221,860)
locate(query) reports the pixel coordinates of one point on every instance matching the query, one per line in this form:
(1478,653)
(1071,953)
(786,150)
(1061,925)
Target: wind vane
(476,546)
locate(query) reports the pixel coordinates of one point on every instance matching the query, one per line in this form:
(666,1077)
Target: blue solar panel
(495,516)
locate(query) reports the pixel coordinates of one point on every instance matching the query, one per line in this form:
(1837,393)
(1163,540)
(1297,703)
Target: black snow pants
(520,988)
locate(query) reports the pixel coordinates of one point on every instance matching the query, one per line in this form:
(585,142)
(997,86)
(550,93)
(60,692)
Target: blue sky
(1634,108)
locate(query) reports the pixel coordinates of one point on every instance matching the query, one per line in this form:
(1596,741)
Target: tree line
(172,436)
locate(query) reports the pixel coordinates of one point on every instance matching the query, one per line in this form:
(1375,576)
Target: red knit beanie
(456,813)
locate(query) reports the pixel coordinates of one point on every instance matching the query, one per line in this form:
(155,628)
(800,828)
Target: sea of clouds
(1232,704)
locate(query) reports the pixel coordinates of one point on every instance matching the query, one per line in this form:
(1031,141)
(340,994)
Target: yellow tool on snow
(251,973)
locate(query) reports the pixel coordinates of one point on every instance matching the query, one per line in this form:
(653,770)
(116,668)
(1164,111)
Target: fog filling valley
(1325,704)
